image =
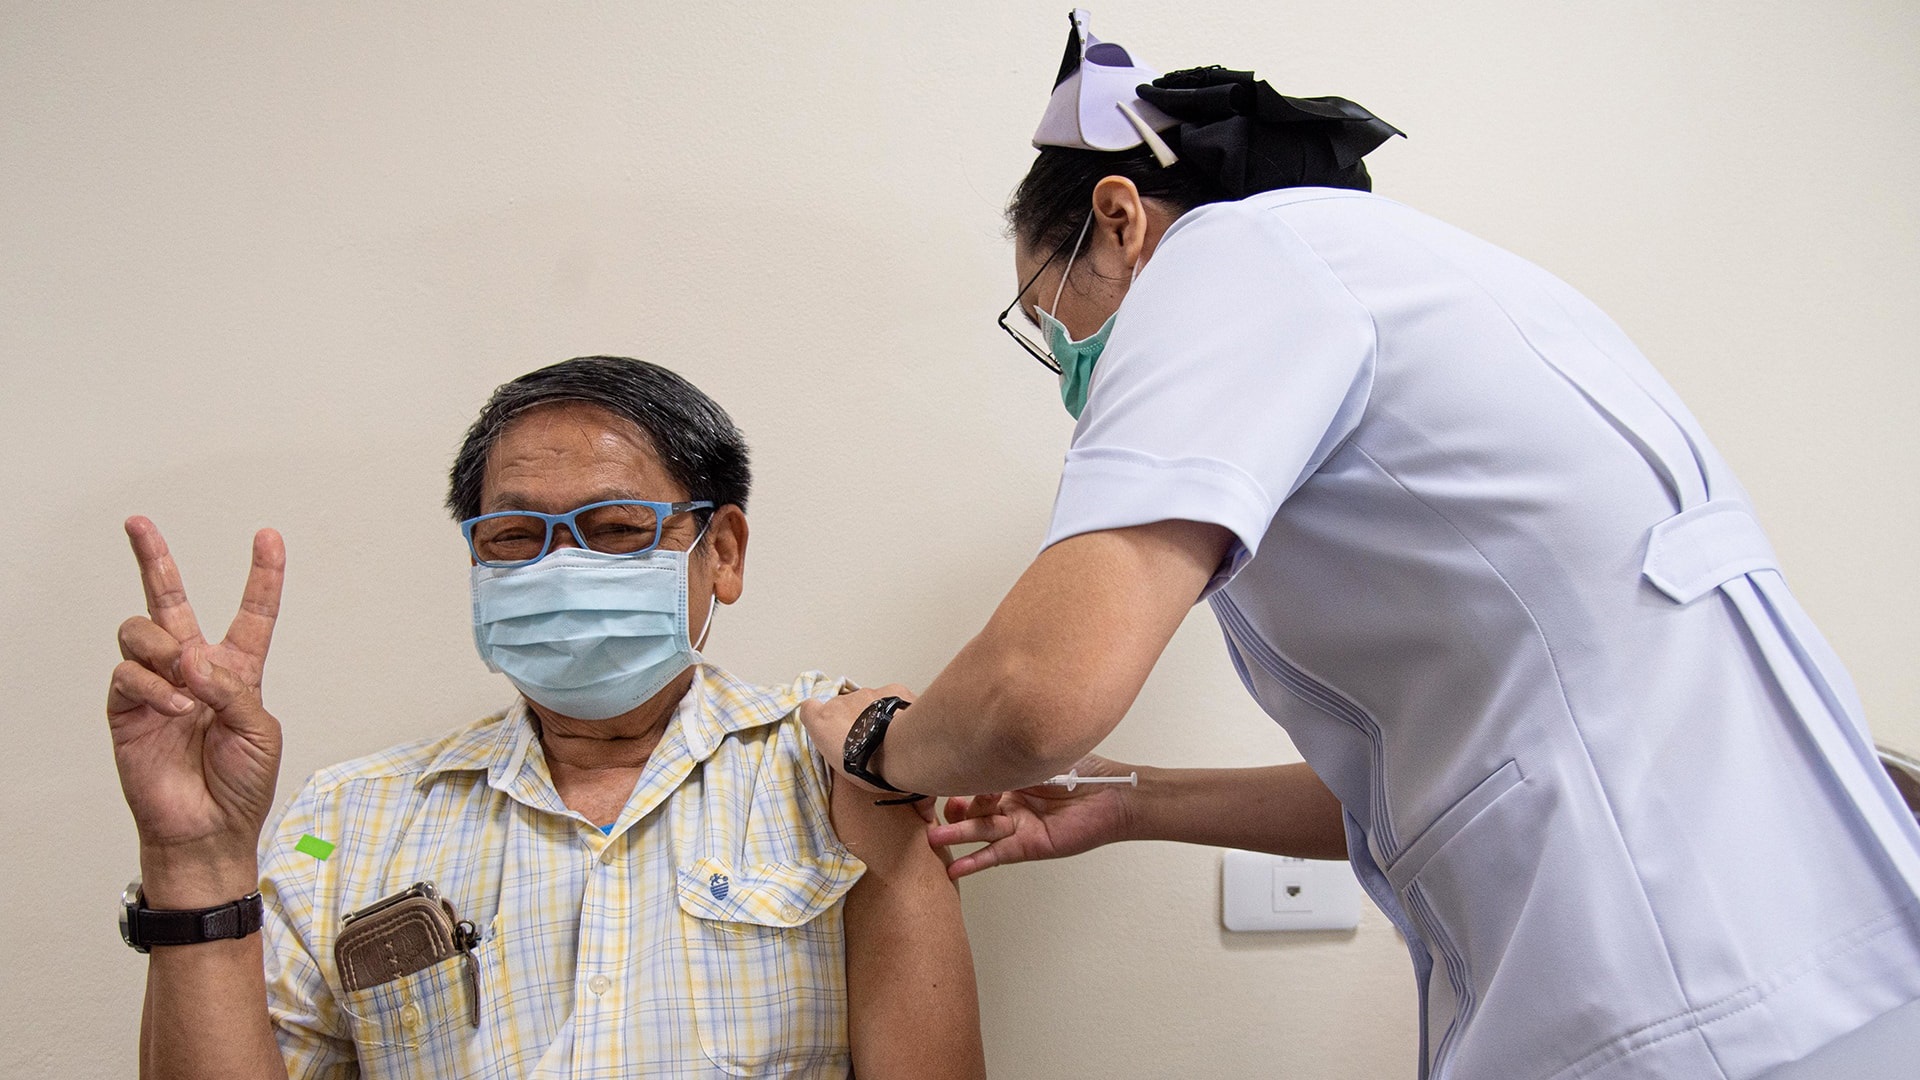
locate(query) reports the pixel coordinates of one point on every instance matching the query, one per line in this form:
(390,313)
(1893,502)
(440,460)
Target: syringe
(1072,779)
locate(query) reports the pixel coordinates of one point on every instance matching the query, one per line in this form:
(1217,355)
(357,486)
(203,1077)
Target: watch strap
(234,919)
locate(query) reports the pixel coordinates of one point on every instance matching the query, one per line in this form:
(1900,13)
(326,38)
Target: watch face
(129,903)
(859,735)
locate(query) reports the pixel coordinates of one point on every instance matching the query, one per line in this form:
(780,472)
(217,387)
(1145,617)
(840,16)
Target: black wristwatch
(864,738)
(142,927)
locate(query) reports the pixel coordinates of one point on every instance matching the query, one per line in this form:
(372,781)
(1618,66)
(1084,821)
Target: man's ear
(726,547)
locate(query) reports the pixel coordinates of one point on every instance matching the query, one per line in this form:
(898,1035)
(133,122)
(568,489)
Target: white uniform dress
(1489,574)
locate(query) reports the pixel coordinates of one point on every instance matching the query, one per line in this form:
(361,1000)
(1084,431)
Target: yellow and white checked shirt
(701,938)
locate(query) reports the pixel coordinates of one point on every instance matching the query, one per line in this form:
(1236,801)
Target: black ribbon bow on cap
(1251,138)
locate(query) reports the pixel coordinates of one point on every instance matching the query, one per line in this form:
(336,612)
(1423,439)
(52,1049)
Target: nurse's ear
(1126,227)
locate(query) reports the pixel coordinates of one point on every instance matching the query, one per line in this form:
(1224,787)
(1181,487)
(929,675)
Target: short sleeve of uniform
(1237,364)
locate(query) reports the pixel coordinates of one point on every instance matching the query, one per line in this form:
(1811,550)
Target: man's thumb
(223,691)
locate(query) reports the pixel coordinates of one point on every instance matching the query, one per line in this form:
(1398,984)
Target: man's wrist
(173,880)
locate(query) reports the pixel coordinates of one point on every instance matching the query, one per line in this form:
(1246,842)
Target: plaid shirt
(702,937)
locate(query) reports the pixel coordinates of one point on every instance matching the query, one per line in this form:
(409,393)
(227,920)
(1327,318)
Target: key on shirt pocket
(766,957)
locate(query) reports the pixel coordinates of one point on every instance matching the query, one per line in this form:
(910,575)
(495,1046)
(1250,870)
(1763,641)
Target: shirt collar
(715,706)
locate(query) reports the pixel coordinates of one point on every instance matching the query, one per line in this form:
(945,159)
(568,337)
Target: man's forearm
(1279,809)
(206,1014)
(206,1009)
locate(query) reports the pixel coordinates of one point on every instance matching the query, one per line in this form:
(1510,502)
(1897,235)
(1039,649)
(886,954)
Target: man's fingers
(145,643)
(252,628)
(160,579)
(224,692)
(134,685)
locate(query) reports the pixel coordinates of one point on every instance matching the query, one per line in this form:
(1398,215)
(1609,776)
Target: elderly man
(641,868)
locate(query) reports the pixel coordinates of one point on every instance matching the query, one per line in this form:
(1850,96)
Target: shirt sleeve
(314,1035)
(1237,364)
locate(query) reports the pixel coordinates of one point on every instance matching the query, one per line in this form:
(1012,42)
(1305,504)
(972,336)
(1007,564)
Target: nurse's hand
(1045,821)
(828,720)
(198,754)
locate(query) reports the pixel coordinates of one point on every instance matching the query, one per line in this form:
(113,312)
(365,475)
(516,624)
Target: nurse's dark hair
(1053,201)
(694,437)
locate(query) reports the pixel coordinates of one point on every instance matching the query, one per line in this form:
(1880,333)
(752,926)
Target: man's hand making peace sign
(197,752)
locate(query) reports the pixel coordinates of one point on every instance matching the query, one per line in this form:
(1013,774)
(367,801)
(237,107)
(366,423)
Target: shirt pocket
(766,961)
(418,1025)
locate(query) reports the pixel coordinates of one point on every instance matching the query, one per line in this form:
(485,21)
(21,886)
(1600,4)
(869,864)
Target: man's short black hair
(695,438)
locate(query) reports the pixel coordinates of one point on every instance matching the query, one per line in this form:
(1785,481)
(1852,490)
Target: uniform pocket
(1407,865)
(1481,887)
(766,959)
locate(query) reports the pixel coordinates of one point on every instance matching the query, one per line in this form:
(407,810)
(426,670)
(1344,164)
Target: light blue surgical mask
(1076,358)
(587,635)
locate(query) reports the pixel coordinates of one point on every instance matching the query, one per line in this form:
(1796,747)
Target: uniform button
(409,1016)
(599,984)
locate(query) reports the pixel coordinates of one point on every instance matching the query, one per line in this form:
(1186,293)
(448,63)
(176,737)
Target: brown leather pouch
(394,937)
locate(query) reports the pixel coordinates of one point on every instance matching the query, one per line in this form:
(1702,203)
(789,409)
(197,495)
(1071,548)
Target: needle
(1072,779)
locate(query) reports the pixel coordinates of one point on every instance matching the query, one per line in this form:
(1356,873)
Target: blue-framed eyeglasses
(613,527)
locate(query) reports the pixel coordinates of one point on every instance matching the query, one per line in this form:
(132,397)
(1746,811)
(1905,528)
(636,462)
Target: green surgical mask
(1076,359)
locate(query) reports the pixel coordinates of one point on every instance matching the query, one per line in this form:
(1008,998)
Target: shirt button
(409,1016)
(789,912)
(599,984)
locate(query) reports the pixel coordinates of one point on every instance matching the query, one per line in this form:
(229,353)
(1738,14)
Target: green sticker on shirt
(314,846)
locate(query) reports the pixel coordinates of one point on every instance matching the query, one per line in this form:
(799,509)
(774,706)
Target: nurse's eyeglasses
(1023,332)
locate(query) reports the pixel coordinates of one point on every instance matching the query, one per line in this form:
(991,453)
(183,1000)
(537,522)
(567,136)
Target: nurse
(1467,547)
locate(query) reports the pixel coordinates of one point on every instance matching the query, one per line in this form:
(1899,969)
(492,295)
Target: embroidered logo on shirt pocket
(766,960)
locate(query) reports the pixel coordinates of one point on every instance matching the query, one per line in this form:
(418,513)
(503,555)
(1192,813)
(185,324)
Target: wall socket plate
(1278,892)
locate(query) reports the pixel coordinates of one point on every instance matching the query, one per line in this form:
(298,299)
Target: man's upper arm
(912,1008)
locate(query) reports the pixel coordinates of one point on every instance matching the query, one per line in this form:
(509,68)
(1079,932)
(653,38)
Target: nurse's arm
(1056,668)
(1281,809)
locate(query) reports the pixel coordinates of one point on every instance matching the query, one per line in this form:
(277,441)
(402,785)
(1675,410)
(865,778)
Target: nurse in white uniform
(1556,702)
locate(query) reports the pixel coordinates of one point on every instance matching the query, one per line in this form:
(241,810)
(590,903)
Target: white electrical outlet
(1276,892)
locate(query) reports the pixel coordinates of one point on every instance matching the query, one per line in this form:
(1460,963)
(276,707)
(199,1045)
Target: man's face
(559,457)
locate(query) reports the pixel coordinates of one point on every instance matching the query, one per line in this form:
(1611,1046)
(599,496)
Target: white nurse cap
(1095,103)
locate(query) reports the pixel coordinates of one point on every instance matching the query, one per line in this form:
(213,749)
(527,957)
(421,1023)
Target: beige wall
(260,263)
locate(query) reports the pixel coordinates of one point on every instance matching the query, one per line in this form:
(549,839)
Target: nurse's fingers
(961,807)
(977,861)
(981,830)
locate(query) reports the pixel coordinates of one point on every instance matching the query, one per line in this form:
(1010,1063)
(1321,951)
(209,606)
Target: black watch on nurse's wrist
(864,739)
(142,927)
